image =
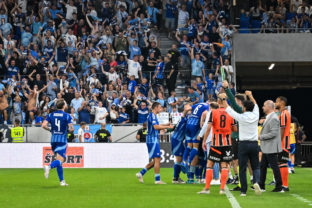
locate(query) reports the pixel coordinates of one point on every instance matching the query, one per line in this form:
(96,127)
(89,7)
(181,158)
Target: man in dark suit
(270,143)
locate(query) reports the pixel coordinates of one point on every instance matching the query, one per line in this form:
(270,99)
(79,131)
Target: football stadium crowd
(104,57)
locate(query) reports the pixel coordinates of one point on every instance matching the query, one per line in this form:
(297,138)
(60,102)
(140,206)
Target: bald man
(270,143)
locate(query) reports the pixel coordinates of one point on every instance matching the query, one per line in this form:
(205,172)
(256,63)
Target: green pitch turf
(118,188)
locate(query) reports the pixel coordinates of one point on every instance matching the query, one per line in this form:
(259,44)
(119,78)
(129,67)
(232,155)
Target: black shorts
(283,157)
(220,154)
(235,149)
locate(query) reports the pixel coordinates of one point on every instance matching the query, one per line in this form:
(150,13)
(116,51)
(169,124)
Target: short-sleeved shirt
(193,96)
(152,133)
(134,68)
(142,114)
(193,122)
(285,122)
(103,135)
(59,121)
(222,124)
(142,132)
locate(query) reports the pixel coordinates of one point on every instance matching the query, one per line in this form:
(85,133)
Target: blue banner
(90,131)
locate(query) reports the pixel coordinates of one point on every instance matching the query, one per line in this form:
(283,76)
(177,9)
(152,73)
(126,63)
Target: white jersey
(81,133)
(204,128)
(100,112)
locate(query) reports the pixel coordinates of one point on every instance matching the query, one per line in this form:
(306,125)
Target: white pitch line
(231,198)
(300,198)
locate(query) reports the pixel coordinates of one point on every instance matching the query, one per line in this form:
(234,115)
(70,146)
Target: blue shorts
(292,149)
(177,147)
(189,139)
(59,148)
(210,91)
(153,150)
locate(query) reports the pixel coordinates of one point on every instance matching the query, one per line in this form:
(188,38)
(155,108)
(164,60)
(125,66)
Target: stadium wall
(82,155)
(279,47)
(39,135)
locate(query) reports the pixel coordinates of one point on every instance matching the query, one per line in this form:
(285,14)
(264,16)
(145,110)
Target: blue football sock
(143,171)
(176,170)
(55,164)
(157,177)
(60,172)
(292,165)
(193,154)
(289,163)
(197,172)
(186,153)
(191,173)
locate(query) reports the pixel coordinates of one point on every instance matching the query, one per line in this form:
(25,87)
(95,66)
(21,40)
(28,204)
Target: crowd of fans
(277,16)
(103,57)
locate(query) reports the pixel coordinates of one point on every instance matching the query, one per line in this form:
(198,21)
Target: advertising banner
(90,131)
(74,157)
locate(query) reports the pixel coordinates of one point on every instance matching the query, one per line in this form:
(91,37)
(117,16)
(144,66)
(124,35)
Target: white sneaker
(203,181)
(289,171)
(5,122)
(257,189)
(46,170)
(159,182)
(204,191)
(243,194)
(140,177)
(63,183)
(222,192)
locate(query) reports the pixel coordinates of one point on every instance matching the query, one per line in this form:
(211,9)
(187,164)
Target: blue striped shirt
(179,132)
(59,121)
(152,134)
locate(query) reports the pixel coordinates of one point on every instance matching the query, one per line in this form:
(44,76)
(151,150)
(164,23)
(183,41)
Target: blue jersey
(160,68)
(152,134)
(142,114)
(179,132)
(193,123)
(59,121)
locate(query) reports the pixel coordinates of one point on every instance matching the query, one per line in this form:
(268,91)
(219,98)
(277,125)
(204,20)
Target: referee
(248,141)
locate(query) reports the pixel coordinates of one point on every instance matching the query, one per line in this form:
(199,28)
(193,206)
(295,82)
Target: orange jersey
(222,124)
(285,121)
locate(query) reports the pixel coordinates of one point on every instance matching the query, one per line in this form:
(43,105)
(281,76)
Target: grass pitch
(119,188)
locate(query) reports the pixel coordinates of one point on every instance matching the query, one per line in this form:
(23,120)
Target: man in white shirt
(70,37)
(134,67)
(81,132)
(248,141)
(70,9)
(100,114)
(229,70)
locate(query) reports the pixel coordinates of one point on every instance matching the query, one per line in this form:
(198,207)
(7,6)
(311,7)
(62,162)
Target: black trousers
(272,160)
(248,150)
(171,83)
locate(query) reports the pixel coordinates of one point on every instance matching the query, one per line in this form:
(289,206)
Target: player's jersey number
(196,109)
(58,124)
(222,121)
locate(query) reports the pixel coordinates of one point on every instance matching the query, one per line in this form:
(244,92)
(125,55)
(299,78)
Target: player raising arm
(61,122)
(152,142)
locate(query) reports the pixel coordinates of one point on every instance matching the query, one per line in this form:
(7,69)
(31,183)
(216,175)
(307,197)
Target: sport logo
(74,157)
(228,153)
